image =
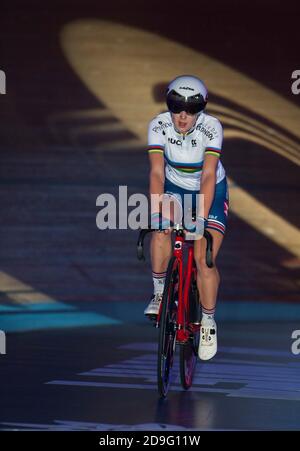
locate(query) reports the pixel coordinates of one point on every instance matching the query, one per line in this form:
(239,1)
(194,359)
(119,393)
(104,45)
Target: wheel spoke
(188,351)
(167,335)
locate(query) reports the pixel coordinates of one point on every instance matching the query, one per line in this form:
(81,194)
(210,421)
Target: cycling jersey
(184,153)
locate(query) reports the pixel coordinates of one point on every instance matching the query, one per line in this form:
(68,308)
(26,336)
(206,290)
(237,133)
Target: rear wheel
(189,350)
(167,329)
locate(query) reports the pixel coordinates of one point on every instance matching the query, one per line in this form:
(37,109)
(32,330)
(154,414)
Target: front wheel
(189,350)
(167,329)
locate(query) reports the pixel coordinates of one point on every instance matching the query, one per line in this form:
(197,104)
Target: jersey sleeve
(156,141)
(214,139)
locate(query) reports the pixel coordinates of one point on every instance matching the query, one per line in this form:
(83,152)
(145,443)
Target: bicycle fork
(183,311)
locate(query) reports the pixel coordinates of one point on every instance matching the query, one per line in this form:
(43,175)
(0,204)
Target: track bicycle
(178,319)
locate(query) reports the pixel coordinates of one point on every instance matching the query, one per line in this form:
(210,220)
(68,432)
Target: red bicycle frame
(185,271)
(175,323)
(185,275)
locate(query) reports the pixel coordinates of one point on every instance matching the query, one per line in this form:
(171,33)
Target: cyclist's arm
(157,178)
(156,144)
(209,172)
(208,182)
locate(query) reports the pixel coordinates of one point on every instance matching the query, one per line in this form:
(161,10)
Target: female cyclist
(184,147)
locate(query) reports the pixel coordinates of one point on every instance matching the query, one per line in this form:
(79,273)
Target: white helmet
(186,93)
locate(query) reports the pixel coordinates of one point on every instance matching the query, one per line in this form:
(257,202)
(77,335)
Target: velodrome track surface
(79,354)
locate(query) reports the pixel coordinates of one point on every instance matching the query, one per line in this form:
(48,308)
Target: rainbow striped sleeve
(156,148)
(213,151)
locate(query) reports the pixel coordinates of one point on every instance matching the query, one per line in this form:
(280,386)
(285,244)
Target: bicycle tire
(167,329)
(189,351)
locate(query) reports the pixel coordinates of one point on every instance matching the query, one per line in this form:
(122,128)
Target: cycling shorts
(217,218)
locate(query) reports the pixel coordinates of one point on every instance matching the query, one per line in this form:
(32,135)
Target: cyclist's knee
(161,237)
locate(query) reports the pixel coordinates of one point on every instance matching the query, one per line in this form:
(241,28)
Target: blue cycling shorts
(217,218)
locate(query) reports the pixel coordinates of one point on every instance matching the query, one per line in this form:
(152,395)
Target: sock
(158,281)
(207,314)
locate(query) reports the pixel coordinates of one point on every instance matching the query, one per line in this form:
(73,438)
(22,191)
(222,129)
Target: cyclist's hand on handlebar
(197,226)
(160,223)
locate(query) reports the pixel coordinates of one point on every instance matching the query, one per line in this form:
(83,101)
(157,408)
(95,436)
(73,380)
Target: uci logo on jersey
(175,141)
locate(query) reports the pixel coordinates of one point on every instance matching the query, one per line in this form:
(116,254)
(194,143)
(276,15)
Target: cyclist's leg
(161,241)
(208,279)
(161,250)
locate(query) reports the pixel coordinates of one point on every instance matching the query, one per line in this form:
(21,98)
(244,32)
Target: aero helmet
(186,93)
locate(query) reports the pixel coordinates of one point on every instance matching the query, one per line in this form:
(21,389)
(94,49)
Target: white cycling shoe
(154,304)
(208,340)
